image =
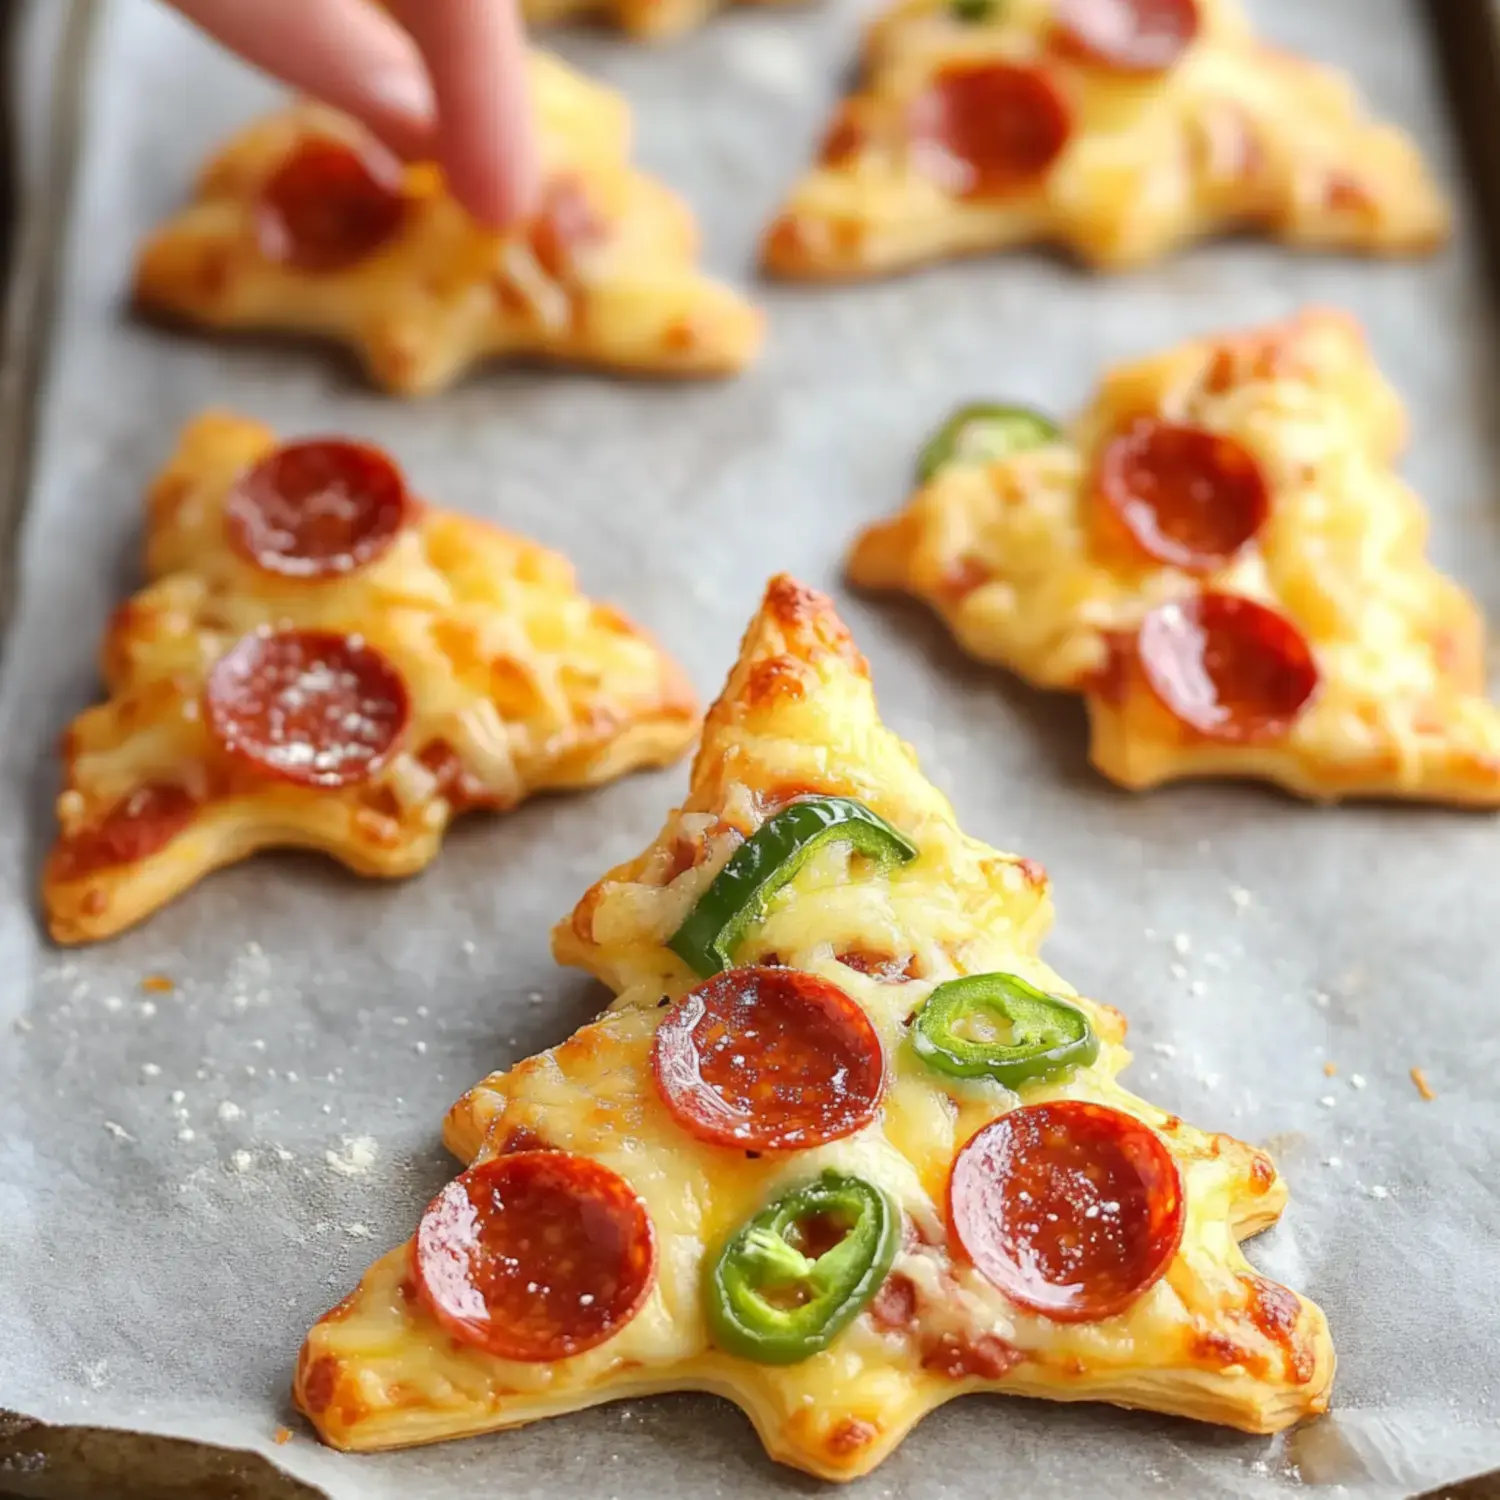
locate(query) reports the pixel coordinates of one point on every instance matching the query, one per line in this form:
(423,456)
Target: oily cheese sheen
(1206,1338)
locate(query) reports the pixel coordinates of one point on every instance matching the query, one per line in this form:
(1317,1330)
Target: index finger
(477,58)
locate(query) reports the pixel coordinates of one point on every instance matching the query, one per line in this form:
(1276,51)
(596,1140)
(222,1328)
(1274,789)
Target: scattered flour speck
(147,1008)
(358,1231)
(118,1131)
(229,1110)
(242,1161)
(113,1002)
(355,1156)
(187,1133)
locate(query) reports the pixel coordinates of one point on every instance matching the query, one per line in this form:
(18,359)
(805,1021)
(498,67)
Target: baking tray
(152,1295)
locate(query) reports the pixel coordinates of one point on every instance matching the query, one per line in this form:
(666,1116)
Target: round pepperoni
(538,1255)
(1227,667)
(308,706)
(317,509)
(1189,498)
(768,1059)
(329,205)
(134,829)
(995,127)
(1071,1209)
(1130,36)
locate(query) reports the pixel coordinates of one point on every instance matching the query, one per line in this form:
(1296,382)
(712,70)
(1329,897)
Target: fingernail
(404,91)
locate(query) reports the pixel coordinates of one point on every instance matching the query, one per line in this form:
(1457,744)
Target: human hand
(442,79)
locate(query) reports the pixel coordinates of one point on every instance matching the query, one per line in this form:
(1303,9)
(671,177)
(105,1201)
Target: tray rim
(35,219)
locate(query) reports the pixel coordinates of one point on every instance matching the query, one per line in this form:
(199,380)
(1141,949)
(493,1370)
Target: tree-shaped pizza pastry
(1119,129)
(843,1148)
(1219,555)
(321,660)
(648,20)
(304,224)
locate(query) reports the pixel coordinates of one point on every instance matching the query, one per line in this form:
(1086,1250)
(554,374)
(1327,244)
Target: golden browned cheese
(1234,135)
(517,683)
(1210,1340)
(1009,554)
(444,292)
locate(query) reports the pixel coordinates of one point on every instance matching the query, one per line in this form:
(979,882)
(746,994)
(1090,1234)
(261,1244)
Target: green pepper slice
(776,1295)
(766,861)
(974,10)
(985,430)
(1046,1035)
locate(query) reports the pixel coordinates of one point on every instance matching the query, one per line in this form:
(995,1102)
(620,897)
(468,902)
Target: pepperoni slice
(992,128)
(318,509)
(308,706)
(768,1059)
(1188,497)
(132,830)
(535,1256)
(1071,1209)
(328,206)
(1130,36)
(1227,667)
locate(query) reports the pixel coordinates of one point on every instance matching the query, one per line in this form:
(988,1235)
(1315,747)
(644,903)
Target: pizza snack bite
(842,1149)
(1118,129)
(321,660)
(304,224)
(1220,557)
(646,20)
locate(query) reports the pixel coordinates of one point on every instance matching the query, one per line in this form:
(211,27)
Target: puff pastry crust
(1118,129)
(510,682)
(1211,1339)
(1024,559)
(302,225)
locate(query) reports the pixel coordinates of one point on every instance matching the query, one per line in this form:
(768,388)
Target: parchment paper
(188,1178)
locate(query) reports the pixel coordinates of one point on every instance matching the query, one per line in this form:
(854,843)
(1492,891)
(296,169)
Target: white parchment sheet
(187,1179)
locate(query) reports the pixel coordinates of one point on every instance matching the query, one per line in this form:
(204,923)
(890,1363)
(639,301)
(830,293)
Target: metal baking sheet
(187,1179)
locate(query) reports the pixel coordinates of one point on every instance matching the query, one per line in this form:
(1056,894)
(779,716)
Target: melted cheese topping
(1007,554)
(1235,133)
(446,292)
(798,713)
(513,673)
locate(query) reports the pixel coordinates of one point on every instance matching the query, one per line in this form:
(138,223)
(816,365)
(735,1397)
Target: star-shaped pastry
(321,660)
(1119,129)
(1220,556)
(304,224)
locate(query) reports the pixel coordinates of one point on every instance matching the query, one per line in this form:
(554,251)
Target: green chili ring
(1048,1035)
(833,1287)
(740,893)
(983,431)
